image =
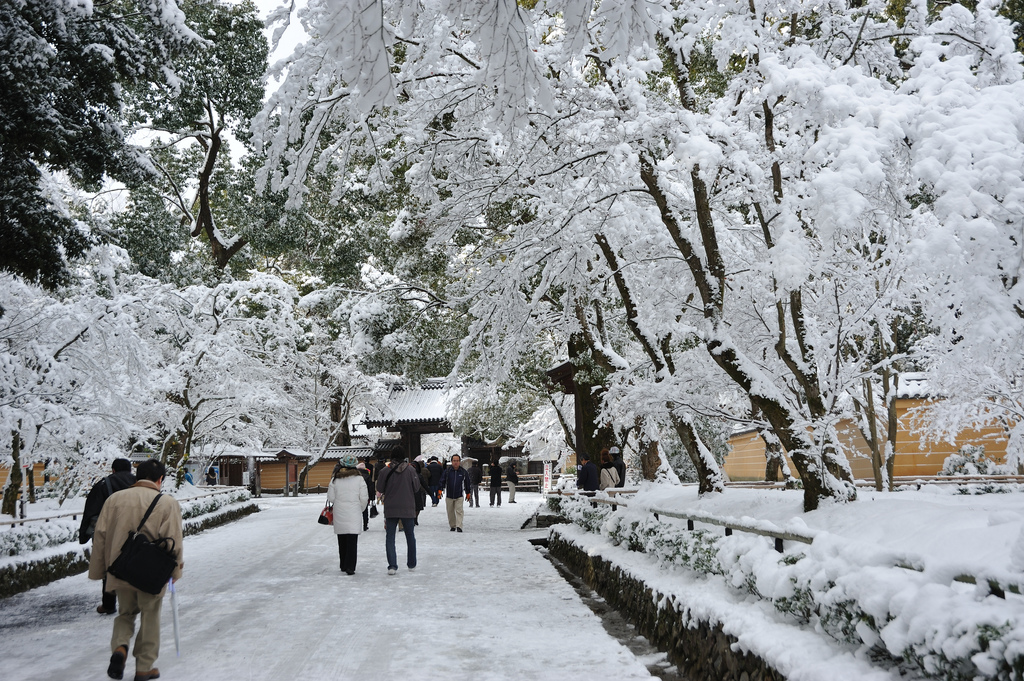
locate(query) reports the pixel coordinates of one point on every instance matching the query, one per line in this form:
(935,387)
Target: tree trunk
(650,460)
(593,436)
(339,414)
(14,480)
(709,477)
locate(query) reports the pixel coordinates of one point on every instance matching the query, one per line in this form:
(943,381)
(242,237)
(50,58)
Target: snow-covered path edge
(798,653)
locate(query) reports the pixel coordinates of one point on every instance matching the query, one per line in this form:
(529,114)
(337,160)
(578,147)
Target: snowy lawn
(263,599)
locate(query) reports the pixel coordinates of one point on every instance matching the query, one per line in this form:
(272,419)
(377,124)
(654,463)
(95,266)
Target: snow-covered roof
(360,451)
(296,452)
(426,403)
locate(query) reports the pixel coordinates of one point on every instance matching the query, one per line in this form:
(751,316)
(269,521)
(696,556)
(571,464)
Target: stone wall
(699,649)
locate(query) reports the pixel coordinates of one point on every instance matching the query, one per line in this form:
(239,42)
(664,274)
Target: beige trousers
(147,644)
(454,508)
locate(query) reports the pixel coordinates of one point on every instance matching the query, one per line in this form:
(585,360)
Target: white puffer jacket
(349,496)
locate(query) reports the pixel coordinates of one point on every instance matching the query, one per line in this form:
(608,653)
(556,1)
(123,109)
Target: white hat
(613,450)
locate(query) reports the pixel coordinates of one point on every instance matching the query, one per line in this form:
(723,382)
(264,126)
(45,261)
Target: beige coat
(120,515)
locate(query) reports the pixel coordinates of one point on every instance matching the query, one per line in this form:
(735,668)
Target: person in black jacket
(361,467)
(120,479)
(495,475)
(587,477)
(620,465)
(435,468)
(512,478)
(455,481)
(476,478)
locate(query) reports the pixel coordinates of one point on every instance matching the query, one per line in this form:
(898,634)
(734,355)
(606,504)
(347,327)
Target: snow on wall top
(912,386)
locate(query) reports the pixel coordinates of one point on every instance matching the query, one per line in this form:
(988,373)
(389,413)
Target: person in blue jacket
(587,477)
(455,485)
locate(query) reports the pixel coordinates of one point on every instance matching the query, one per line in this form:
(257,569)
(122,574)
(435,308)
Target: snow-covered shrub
(203,505)
(914,621)
(17,540)
(972,460)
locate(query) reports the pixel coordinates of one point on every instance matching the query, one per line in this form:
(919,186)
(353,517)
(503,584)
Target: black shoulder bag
(146,565)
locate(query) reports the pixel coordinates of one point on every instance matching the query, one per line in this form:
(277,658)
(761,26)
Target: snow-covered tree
(65,67)
(744,178)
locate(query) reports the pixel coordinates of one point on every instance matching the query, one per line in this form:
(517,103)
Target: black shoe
(452,530)
(513,502)
(458,529)
(116,668)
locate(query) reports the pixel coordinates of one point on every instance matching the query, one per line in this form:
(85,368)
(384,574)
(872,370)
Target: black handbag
(373,511)
(146,565)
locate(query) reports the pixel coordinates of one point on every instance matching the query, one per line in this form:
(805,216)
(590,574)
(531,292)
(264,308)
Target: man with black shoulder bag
(156,518)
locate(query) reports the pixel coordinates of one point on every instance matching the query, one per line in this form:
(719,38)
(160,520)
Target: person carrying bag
(128,517)
(146,565)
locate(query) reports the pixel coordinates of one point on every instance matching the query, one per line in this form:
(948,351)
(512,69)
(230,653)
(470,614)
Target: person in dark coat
(421,495)
(370,494)
(476,478)
(398,484)
(587,477)
(435,468)
(211,477)
(454,483)
(495,483)
(620,465)
(512,478)
(121,478)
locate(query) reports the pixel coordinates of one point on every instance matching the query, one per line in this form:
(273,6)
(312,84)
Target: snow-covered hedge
(34,536)
(21,539)
(193,508)
(921,622)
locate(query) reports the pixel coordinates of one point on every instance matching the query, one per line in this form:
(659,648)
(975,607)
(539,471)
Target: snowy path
(263,599)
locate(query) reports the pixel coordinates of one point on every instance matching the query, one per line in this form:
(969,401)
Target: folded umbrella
(174,612)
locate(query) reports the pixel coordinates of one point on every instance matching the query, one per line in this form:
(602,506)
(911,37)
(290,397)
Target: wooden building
(915,455)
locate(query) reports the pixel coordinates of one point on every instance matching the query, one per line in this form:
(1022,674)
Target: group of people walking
(403,488)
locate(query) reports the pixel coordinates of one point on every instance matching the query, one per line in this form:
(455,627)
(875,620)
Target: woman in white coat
(347,492)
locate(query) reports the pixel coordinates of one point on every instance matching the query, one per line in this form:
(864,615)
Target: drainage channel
(614,623)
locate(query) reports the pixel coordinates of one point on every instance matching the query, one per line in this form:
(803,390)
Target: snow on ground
(263,599)
(974,532)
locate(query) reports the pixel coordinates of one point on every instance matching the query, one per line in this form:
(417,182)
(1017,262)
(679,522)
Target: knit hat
(361,466)
(613,450)
(349,461)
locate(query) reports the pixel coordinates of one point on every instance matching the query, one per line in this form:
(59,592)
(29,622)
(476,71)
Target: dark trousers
(366,517)
(433,494)
(347,544)
(495,492)
(409,528)
(109,598)
(474,497)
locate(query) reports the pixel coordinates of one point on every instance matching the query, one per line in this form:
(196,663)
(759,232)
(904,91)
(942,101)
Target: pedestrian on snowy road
(120,479)
(398,485)
(370,494)
(587,479)
(476,478)
(348,493)
(495,475)
(620,465)
(122,514)
(436,469)
(609,476)
(455,483)
(512,478)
